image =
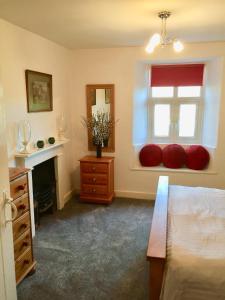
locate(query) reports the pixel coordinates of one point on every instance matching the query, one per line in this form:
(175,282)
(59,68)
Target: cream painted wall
(119,66)
(21,50)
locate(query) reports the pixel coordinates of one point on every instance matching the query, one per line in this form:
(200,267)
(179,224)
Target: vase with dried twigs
(100,126)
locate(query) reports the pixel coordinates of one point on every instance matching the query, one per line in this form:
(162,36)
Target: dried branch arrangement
(100,127)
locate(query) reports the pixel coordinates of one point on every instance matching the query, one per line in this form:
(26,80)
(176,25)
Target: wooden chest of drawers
(97,179)
(22,237)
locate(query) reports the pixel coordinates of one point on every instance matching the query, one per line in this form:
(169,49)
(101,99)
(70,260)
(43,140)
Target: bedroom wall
(21,50)
(119,66)
(72,70)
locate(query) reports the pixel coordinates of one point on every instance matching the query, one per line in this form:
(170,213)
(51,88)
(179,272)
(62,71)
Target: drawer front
(23,264)
(94,178)
(22,244)
(18,187)
(21,225)
(22,205)
(94,189)
(94,168)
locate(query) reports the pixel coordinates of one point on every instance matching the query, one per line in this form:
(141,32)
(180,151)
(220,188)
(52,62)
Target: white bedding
(195,267)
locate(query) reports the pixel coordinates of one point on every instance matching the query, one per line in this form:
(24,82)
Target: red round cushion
(174,156)
(150,155)
(197,157)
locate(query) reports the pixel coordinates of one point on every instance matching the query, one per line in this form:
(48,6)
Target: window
(189,91)
(176,117)
(161,120)
(175,112)
(162,92)
(187,120)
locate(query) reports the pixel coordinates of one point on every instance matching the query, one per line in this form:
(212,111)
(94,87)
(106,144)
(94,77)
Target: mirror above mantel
(100,98)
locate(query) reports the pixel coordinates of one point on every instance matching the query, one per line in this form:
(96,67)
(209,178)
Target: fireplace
(36,157)
(44,189)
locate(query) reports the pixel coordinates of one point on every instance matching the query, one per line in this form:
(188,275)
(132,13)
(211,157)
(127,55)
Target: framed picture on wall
(39,91)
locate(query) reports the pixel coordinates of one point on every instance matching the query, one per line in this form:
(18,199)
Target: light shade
(162,39)
(153,42)
(178,46)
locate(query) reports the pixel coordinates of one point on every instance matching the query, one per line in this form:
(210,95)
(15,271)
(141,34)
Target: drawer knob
(94,190)
(21,187)
(25,244)
(23,226)
(94,179)
(93,168)
(22,207)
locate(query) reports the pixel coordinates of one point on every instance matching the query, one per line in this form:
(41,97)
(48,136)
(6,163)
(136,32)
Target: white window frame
(175,103)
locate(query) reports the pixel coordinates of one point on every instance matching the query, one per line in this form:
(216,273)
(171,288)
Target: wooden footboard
(156,253)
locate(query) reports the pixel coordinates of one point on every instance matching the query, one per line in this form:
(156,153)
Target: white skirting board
(135,195)
(68,196)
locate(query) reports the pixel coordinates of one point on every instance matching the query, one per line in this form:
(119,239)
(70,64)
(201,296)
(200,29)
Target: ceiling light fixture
(162,39)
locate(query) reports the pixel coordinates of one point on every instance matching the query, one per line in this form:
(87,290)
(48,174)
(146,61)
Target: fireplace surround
(36,157)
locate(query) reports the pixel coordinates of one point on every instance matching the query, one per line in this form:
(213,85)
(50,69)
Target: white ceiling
(116,23)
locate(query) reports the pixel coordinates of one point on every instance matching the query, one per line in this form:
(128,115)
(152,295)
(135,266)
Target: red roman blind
(177,75)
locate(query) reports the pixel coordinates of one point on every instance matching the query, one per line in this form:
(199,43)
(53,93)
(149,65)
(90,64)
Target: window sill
(167,170)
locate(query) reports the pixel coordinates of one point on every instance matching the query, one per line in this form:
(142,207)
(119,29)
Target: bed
(186,247)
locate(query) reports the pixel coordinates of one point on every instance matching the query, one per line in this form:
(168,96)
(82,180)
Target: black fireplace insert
(44,189)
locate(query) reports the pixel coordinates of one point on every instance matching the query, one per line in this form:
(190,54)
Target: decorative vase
(98,150)
(24,133)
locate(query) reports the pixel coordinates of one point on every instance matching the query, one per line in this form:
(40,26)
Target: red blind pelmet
(177,75)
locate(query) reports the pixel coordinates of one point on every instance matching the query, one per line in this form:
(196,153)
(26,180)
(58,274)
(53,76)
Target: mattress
(195,268)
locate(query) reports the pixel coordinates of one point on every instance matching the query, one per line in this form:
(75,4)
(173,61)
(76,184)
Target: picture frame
(39,91)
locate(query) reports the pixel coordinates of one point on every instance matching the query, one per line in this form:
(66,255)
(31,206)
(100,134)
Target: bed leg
(156,269)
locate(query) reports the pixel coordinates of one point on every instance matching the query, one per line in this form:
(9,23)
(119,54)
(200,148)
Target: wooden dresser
(97,179)
(23,250)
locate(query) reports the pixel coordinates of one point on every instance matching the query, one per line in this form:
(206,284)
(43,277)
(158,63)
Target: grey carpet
(92,252)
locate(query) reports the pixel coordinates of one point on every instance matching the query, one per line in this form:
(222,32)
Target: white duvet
(195,267)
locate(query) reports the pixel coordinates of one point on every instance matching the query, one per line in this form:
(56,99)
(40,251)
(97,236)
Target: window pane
(187,120)
(161,120)
(189,91)
(162,91)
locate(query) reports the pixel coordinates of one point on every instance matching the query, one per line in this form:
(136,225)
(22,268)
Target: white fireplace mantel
(37,156)
(37,151)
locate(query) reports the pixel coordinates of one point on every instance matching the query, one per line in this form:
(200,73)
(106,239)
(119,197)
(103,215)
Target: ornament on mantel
(61,125)
(24,135)
(40,144)
(51,140)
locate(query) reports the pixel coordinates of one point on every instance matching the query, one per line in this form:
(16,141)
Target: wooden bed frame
(156,253)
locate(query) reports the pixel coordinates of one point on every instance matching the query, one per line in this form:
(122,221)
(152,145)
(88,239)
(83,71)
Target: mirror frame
(89,87)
